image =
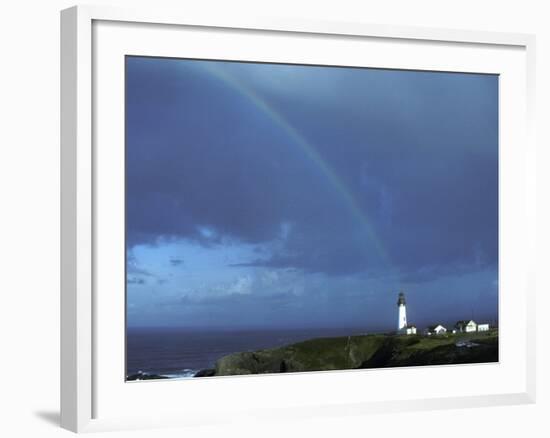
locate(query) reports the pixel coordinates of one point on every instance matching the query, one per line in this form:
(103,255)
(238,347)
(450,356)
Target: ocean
(180,353)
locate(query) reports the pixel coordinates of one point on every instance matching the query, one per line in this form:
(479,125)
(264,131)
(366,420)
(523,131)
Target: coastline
(351,352)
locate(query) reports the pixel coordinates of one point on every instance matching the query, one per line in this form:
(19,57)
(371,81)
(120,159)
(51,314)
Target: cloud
(134,280)
(326,301)
(133,267)
(409,168)
(174,261)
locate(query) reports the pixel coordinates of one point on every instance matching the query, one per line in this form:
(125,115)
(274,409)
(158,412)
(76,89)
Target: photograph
(288,218)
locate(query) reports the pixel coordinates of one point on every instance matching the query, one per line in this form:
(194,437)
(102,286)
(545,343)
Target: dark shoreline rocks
(209,372)
(144,376)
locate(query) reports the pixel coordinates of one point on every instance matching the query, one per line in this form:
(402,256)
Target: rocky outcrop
(369,351)
(209,372)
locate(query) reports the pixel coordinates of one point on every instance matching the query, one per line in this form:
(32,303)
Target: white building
(409,330)
(437,329)
(466,326)
(402,326)
(401,312)
(483,327)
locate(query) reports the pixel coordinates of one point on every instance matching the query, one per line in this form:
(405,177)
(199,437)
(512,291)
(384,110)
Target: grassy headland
(367,351)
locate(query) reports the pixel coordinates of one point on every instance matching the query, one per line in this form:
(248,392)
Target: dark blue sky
(300,196)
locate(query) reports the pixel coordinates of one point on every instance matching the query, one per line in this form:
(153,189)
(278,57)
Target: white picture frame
(90,36)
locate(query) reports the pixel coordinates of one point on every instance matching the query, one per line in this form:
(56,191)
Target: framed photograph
(282,218)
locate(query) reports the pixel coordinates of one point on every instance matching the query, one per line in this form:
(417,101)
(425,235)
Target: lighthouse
(401,313)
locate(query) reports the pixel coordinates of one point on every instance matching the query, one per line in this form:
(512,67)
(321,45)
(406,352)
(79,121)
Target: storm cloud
(326,170)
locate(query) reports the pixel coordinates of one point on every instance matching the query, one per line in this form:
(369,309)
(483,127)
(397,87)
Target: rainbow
(307,148)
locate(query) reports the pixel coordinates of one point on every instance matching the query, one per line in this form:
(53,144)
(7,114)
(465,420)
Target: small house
(483,327)
(437,329)
(466,326)
(408,330)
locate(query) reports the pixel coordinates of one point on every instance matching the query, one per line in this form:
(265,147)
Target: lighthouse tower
(401,312)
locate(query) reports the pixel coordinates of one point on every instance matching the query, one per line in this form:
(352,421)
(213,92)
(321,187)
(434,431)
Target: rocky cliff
(368,351)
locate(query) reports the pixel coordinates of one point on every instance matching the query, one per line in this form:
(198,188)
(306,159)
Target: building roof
(464,322)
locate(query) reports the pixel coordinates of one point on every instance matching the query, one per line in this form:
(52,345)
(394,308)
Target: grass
(365,351)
